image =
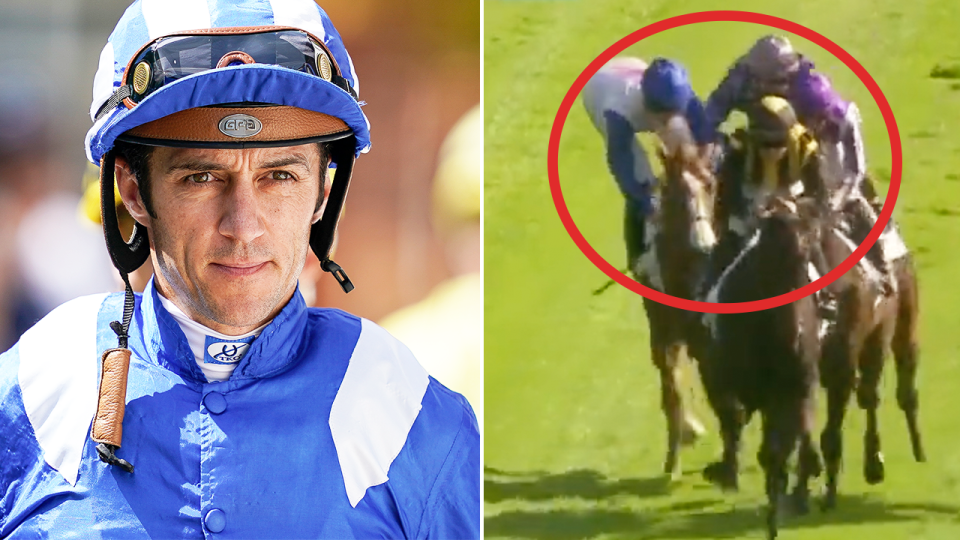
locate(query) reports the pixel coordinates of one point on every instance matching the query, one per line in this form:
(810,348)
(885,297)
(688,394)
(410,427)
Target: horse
(868,325)
(680,239)
(768,361)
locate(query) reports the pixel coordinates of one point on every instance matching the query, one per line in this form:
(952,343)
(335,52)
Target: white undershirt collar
(210,346)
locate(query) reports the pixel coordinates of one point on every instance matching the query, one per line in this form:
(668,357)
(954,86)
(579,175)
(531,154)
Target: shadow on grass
(945,71)
(692,517)
(582,483)
(692,520)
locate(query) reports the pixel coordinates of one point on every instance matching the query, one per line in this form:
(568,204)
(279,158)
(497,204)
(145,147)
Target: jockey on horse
(837,125)
(774,157)
(625,97)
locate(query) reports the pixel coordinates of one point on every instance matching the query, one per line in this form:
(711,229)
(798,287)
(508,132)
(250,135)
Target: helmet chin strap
(126,256)
(107,428)
(323,231)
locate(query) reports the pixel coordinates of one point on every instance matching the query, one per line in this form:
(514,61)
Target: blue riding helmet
(666,87)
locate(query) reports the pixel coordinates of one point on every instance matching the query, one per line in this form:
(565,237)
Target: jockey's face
(772,153)
(776,84)
(231,230)
(660,119)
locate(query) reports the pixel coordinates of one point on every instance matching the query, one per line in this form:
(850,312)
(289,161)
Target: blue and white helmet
(226,74)
(151,24)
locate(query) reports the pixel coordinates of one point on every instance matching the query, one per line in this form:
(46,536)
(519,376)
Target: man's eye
(199,178)
(281,175)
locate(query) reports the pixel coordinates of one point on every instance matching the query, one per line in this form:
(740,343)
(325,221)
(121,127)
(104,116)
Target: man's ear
(327,186)
(127,184)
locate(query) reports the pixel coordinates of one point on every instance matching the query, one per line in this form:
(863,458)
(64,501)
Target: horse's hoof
(671,467)
(873,471)
(719,474)
(829,501)
(674,476)
(772,525)
(691,431)
(799,503)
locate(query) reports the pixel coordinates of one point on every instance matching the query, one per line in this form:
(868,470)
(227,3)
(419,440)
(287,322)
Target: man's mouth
(239,269)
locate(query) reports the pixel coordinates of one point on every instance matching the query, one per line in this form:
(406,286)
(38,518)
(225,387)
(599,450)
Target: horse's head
(688,186)
(789,232)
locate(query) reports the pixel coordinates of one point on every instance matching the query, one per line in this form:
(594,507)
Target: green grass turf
(574,436)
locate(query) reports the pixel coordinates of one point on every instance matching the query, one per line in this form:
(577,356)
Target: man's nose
(242,219)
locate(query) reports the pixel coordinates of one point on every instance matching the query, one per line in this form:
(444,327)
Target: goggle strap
(344,84)
(117,98)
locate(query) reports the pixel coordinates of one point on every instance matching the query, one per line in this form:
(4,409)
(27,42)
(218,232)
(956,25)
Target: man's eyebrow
(286,161)
(195,165)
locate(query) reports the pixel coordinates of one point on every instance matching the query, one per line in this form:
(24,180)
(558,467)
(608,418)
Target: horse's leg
(839,378)
(906,355)
(697,339)
(691,428)
(809,463)
(664,355)
(666,358)
(730,415)
(868,397)
(775,450)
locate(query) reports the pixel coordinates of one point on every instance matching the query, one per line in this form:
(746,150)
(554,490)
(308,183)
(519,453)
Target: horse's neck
(837,247)
(777,271)
(675,207)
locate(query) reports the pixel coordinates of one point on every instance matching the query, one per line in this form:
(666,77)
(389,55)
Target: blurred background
(401,238)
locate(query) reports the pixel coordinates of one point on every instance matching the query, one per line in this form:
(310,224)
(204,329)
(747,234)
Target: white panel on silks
(58,381)
(164,17)
(377,404)
(299,14)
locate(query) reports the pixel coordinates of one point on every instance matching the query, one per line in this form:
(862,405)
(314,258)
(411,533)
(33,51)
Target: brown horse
(868,325)
(682,236)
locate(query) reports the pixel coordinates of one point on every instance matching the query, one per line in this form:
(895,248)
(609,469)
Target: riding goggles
(173,57)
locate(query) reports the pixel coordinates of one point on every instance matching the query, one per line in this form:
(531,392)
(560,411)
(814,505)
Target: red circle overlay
(711,16)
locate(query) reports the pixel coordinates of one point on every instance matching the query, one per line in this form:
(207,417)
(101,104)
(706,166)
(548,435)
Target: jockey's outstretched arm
(627,161)
(724,99)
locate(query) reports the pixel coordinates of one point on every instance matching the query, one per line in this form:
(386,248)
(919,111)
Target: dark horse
(682,236)
(768,361)
(868,325)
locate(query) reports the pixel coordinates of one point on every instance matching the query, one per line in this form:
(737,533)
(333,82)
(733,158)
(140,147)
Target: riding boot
(634,234)
(877,254)
(888,281)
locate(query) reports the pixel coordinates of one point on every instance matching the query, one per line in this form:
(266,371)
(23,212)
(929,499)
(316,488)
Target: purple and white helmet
(772,57)
(814,97)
